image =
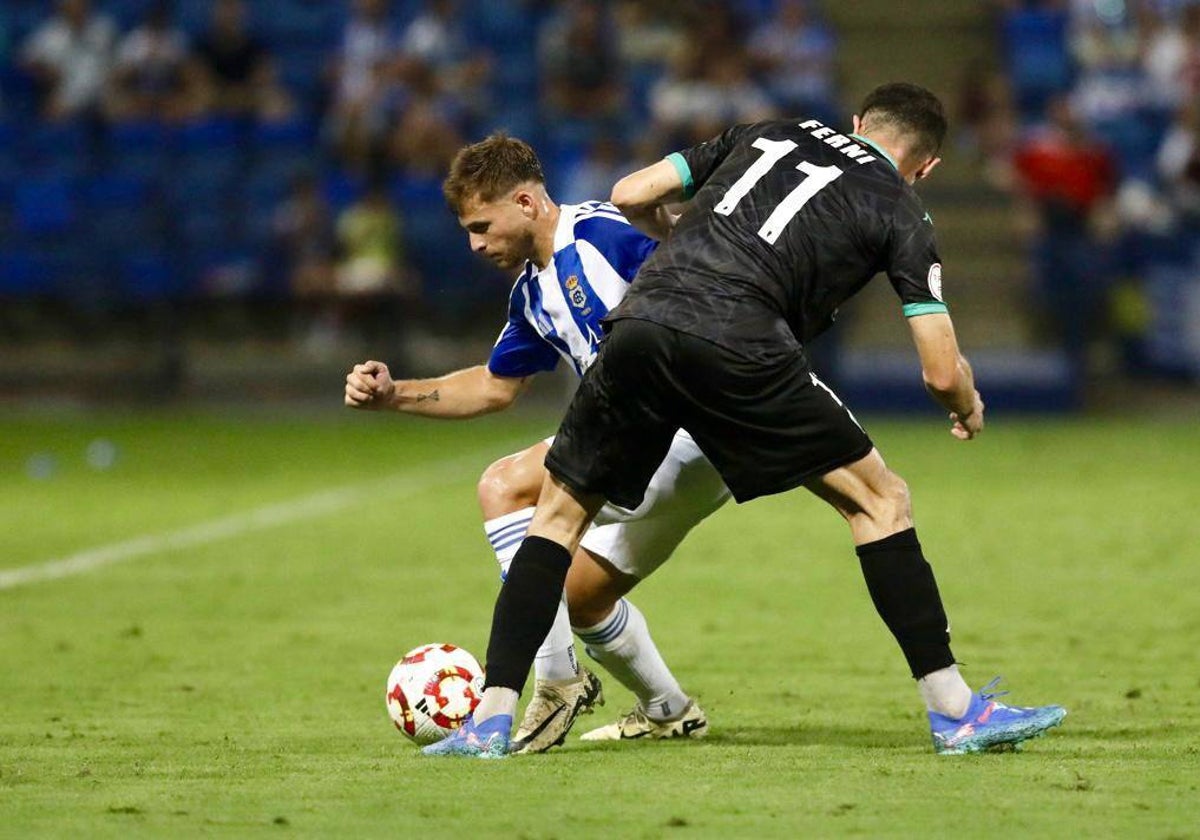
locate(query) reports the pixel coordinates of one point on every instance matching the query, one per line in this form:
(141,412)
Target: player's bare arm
(643,196)
(463,394)
(947,374)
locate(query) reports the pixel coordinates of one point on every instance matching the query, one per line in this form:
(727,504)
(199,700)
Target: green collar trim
(877,148)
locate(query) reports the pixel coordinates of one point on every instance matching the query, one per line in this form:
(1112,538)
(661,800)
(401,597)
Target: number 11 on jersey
(816,179)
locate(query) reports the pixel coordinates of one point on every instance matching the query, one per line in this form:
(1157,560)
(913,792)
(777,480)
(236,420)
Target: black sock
(525,611)
(906,596)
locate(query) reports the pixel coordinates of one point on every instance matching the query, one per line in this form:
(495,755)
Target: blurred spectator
(987,121)
(1172,58)
(149,79)
(580,63)
(371,247)
(437,38)
(70,56)
(702,95)
(271,101)
(304,238)
(364,76)
(1069,179)
(592,178)
(1110,84)
(1033,39)
(234,65)
(648,37)
(427,133)
(1179,163)
(793,55)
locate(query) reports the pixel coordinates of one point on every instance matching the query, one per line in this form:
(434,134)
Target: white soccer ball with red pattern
(432,690)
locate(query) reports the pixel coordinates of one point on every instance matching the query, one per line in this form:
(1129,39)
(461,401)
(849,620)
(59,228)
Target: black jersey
(789,220)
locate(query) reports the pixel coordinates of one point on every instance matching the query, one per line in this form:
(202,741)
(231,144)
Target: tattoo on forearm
(432,395)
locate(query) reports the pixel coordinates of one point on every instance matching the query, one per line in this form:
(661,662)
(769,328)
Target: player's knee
(588,610)
(589,603)
(505,487)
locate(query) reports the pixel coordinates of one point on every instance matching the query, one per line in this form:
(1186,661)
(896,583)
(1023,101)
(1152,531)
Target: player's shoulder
(908,209)
(601,212)
(601,224)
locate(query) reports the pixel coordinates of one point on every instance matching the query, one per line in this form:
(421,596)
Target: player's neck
(885,146)
(543,240)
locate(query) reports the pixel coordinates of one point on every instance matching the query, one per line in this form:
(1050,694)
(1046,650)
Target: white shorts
(684,490)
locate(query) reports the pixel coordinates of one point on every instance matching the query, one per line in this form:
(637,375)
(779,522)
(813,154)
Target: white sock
(495,701)
(555,659)
(945,692)
(622,644)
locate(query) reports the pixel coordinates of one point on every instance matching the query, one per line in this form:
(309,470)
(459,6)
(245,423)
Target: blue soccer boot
(989,724)
(485,740)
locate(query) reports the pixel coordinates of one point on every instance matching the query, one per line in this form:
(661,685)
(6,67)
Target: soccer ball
(432,690)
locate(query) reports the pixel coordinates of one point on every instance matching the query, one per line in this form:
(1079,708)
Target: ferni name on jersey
(839,141)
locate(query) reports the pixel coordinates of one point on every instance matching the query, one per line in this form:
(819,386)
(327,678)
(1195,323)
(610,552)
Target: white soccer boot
(691,724)
(552,711)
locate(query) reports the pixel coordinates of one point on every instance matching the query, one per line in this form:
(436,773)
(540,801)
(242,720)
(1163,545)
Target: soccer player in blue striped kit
(787,220)
(576,263)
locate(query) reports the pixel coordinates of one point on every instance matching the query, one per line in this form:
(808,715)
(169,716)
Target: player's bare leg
(875,502)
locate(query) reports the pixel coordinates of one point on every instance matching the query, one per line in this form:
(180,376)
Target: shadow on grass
(807,736)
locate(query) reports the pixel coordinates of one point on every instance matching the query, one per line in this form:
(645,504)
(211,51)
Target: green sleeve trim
(928,308)
(685,173)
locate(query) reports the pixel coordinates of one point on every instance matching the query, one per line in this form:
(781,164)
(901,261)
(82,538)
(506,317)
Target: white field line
(260,519)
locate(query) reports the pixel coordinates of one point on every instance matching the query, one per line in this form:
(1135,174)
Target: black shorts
(766,427)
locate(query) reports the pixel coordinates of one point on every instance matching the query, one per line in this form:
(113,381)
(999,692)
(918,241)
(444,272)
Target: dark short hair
(913,110)
(488,169)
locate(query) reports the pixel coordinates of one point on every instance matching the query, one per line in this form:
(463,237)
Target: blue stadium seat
(43,207)
(282,150)
(1034,42)
(9,167)
(502,23)
(139,148)
(208,135)
(152,276)
(126,13)
(17,89)
(193,16)
(26,274)
(341,189)
(56,149)
(284,23)
(122,214)
(302,72)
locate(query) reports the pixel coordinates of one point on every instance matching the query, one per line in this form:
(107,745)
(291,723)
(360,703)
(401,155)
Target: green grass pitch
(230,681)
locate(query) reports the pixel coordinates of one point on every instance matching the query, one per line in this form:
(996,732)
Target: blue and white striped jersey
(556,311)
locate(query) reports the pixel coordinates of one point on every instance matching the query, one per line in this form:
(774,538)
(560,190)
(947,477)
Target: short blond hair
(488,169)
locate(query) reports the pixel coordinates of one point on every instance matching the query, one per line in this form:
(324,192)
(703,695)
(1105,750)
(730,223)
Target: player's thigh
(767,424)
(684,490)
(513,482)
(618,427)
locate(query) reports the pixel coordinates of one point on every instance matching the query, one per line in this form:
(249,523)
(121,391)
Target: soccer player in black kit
(789,219)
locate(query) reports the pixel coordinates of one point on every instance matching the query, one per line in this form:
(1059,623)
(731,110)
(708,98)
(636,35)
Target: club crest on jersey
(935,281)
(577,295)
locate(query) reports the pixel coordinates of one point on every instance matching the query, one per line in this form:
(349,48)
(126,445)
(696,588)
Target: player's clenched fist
(369,385)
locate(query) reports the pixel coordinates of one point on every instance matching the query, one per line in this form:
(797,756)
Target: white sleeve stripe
(602,214)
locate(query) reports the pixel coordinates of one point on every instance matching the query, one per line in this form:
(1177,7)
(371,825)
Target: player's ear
(526,202)
(924,171)
(856,123)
